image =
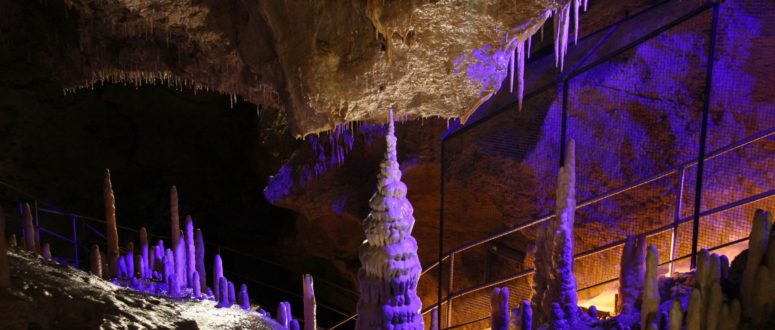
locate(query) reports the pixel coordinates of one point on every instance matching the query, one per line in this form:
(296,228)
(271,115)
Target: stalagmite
(310,307)
(560,300)
(130,259)
(244,300)
(190,251)
(29,229)
(140,266)
(122,271)
(714,274)
(694,311)
(223,295)
(761,308)
(112,253)
(12,241)
(174,217)
(200,258)
(499,308)
(434,319)
(724,265)
(676,315)
(650,304)
(390,268)
(45,251)
(180,262)
(169,266)
(232,294)
(284,316)
(526,319)
(196,288)
(217,274)
(713,309)
(294,325)
(173,289)
(757,245)
(145,253)
(633,266)
(5,274)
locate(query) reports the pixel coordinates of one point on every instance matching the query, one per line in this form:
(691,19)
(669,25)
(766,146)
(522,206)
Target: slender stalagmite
(200,258)
(310,308)
(390,268)
(434,319)
(499,308)
(196,288)
(526,319)
(180,262)
(217,274)
(5,274)
(29,229)
(244,300)
(650,305)
(144,252)
(232,294)
(676,315)
(190,251)
(174,217)
(45,251)
(633,266)
(757,245)
(112,252)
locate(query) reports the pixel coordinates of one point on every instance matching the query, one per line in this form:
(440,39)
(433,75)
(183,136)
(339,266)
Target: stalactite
(5,274)
(576,19)
(499,308)
(190,251)
(310,305)
(561,25)
(631,270)
(757,245)
(390,268)
(529,45)
(520,73)
(200,258)
(217,275)
(650,305)
(174,217)
(111,235)
(244,300)
(29,229)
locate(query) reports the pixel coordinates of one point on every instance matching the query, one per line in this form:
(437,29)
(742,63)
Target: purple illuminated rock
(232,295)
(217,275)
(223,295)
(196,290)
(200,258)
(499,308)
(244,300)
(173,289)
(190,250)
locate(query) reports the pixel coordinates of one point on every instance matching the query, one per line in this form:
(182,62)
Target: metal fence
(708,161)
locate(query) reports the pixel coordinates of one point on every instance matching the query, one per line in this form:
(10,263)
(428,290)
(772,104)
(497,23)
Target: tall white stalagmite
(632,268)
(174,217)
(499,308)
(5,274)
(310,308)
(650,305)
(112,253)
(390,268)
(190,251)
(560,300)
(757,245)
(29,228)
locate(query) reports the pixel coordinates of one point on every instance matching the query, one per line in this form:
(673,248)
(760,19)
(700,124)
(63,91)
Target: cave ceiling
(319,63)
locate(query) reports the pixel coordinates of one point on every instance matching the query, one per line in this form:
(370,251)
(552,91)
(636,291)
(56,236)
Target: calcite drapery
(390,267)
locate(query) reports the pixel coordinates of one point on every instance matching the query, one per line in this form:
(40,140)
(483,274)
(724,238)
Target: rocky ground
(48,295)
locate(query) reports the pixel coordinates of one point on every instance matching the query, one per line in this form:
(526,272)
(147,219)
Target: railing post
(449,288)
(676,219)
(75,242)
